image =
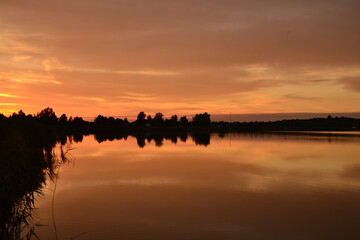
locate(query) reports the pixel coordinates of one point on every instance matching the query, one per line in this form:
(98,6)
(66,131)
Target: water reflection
(202,138)
(24,166)
(241,186)
(199,138)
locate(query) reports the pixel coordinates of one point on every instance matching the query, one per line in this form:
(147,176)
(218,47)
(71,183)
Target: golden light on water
(253,182)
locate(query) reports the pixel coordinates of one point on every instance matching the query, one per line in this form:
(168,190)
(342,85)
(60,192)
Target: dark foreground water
(237,187)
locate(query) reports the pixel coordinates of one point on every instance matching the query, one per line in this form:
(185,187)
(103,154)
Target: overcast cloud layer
(119,57)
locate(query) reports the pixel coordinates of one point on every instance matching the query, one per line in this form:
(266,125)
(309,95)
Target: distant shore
(251,117)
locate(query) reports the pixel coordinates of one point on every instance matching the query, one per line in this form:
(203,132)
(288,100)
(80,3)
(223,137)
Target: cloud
(21,58)
(183,34)
(295,96)
(311,81)
(214,54)
(9,104)
(126,72)
(29,78)
(180,87)
(51,64)
(8,95)
(352,83)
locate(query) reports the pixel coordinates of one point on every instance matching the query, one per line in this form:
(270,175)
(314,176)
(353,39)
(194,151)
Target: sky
(120,57)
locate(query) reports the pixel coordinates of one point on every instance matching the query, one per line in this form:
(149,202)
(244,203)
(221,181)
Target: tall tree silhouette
(184,121)
(202,119)
(63,119)
(141,118)
(47,115)
(158,119)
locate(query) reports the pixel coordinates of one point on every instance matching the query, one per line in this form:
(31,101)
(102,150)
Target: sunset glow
(179,57)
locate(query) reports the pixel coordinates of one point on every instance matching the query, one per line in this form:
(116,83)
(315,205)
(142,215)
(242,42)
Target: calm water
(237,187)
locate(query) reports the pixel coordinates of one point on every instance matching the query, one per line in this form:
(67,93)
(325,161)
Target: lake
(235,186)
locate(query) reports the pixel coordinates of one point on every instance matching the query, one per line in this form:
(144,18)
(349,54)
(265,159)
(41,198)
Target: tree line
(157,122)
(48,116)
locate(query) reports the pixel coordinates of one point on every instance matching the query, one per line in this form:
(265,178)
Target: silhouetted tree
(149,119)
(158,119)
(174,118)
(202,119)
(21,114)
(47,115)
(172,122)
(184,121)
(119,121)
(159,116)
(141,116)
(100,120)
(63,119)
(78,121)
(111,120)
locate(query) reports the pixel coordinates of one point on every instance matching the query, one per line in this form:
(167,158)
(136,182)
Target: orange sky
(90,57)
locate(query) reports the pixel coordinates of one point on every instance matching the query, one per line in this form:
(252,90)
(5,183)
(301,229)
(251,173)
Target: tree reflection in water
(24,167)
(199,138)
(28,158)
